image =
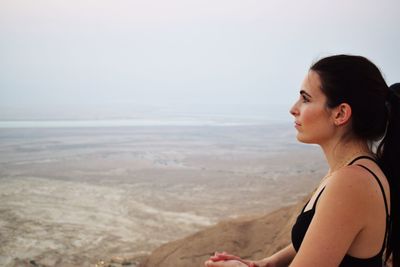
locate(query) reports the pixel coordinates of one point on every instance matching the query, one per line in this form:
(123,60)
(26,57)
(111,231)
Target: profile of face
(313,119)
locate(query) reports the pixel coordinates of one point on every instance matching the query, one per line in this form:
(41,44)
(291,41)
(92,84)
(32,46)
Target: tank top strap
(351,162)
(380,185)
(316,199)
(362,157)
(376,178)
(385,201)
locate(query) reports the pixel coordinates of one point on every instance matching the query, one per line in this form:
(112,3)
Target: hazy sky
(182,52)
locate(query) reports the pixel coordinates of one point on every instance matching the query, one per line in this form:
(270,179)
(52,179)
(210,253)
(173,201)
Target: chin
(303,139)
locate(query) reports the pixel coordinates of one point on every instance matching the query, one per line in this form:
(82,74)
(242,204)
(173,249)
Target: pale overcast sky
(181,52)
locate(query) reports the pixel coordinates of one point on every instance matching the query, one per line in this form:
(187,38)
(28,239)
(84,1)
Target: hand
(226,260)
(226,263)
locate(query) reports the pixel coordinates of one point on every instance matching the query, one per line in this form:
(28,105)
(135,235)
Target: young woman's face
(312,118)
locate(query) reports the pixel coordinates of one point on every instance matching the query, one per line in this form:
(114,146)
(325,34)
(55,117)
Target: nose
(294,110)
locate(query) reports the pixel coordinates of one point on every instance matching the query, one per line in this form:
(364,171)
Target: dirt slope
(252,238)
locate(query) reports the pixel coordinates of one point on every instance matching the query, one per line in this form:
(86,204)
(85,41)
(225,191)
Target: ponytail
(388,157)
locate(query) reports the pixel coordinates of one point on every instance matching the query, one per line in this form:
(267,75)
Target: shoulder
(341,214)
(351,190)
(354,180)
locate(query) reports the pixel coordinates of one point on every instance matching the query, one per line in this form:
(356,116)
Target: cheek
(316,118)
(310,115)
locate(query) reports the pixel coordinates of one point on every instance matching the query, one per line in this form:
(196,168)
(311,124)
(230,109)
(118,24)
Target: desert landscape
(81,196)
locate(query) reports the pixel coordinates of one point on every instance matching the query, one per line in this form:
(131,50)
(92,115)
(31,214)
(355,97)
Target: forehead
(312,84)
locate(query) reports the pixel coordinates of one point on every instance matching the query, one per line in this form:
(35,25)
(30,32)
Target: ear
(342,114)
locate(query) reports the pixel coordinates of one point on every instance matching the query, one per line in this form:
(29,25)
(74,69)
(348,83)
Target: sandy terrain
(74,196)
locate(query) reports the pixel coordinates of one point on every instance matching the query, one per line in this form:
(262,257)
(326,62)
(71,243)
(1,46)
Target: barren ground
(73,196)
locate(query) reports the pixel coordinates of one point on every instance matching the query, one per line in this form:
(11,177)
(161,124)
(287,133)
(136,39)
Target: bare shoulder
(352,186)
(353,177)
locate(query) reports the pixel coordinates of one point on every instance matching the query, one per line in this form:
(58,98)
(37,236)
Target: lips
(297,124)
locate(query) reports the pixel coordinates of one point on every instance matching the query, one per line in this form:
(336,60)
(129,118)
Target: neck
(340,154)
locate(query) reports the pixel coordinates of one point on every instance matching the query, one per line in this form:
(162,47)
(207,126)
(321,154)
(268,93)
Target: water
(122,123)
(127,116)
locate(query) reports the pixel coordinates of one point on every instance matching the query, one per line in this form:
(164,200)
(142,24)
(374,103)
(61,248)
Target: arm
(281,258)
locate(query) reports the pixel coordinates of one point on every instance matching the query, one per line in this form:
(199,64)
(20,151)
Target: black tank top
(304,219)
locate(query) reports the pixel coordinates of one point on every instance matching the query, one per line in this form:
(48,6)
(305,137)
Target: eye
(305,98)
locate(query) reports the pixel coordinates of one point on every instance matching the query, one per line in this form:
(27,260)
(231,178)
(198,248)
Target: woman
(352,219)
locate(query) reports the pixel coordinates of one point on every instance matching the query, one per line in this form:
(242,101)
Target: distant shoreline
(134,122)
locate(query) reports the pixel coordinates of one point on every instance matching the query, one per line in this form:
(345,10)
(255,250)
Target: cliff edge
(251,237)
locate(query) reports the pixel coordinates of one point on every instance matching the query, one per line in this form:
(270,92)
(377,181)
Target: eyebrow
(302,92)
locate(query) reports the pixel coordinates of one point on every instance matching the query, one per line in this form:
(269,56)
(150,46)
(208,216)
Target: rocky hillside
(252,238)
